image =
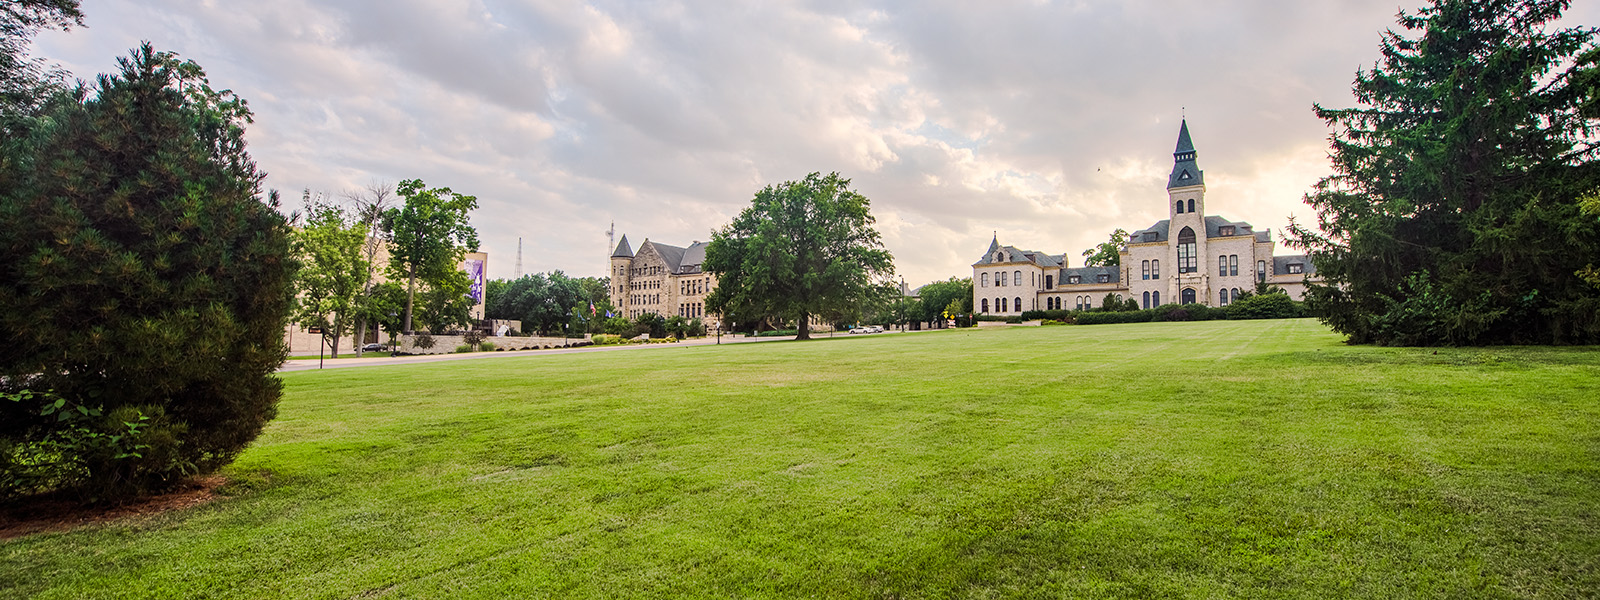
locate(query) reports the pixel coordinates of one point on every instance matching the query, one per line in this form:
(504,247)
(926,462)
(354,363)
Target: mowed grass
(1257,459)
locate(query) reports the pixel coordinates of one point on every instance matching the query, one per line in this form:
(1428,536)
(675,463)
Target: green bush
(486,346)
(465,348)
(141,274)
(1265,306)
(1103,318)
(106,456)
(609,340)
(423,341)
(779,333)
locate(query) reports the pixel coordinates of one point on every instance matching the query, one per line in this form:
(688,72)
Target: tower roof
(623,249)
(1185,171)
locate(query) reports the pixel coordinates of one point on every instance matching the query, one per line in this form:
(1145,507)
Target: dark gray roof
(1014,254)
(1185,171)
(1089,274)
(1280,264)
(1214,225)
(680,260)
(623,251)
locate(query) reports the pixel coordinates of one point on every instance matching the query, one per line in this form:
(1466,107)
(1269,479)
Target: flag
(591,308)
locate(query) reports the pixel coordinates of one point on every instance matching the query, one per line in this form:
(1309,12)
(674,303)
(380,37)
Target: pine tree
(143,273)
(1452,215)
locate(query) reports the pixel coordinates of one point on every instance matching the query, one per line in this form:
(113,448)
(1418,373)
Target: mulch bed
(51,512)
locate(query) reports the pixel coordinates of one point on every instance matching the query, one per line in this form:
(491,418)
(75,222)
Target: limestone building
(661,279)
(1189,257)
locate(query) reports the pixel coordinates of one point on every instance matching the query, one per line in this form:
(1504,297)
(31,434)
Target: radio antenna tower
(519,258)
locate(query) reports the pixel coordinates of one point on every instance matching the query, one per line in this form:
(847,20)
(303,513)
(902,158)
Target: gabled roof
(623,251)
(679,260)
(1010,254)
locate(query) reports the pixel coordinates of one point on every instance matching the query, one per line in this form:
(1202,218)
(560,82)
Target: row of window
(1150,269)
(644,299)
(640,271)
(691,310)
(1227,265)
(1000,278)
(694,287)
(1225,296)
(645,285)
(1178,206)
(1001,305)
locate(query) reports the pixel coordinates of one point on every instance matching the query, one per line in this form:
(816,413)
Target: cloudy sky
(1049,122)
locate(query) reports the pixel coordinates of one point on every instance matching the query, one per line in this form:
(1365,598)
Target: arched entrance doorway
(1188,295)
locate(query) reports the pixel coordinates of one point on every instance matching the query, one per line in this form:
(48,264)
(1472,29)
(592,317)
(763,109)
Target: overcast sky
(1051,123)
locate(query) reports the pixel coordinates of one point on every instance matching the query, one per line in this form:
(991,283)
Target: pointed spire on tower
(1185,171)
(623,249)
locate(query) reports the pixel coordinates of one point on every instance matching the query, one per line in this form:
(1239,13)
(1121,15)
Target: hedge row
(1268,306)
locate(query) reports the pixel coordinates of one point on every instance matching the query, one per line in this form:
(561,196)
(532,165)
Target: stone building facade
(661,279)
(1189,257)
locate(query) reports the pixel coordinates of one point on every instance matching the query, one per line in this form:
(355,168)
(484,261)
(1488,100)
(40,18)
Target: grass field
(1259,459)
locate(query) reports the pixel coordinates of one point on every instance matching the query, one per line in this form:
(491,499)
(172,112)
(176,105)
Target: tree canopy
(332,280)
(542,301)
(1452,216)
(1107,253)
(801,249)
(428,235)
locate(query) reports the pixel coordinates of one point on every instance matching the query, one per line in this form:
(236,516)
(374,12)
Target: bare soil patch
(51,512)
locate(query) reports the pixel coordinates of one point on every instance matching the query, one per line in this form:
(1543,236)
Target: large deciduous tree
(332,281)
(1452,216)
(143,276)
(428,236)
(803,248)
(1107,253)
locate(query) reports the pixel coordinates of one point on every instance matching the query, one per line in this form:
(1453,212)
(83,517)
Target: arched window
(1188,295)
(1222,297)
(1261,270)
(1147,300)
(1155,299)
(1144,269)
(985,305)
(1016,279)
(1155,269)
(1187,261)
(1191,205)
(1233,264)
(985,279)
(1178,208)
(1017,306)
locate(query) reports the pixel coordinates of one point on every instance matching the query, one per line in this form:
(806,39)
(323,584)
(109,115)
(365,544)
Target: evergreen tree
(143,276)
(802,249)
(1452,216)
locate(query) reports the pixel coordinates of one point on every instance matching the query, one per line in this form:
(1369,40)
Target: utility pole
(519,259)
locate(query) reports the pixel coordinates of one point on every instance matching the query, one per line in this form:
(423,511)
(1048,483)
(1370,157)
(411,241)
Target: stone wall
(445,344)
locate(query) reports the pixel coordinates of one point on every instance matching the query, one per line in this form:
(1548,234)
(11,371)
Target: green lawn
(1259,459)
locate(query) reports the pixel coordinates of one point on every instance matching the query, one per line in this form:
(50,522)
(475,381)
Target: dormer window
(1225,231)
(1151,236)
(1296,268)
(1102,278)
(1074,279)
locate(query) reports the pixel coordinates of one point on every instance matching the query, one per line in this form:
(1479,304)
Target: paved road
(310,364)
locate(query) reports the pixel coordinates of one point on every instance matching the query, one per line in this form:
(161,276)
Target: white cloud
(1049,122)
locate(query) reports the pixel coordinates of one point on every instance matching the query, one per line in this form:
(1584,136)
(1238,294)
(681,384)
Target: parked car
(860,330)
(373,348)
(874,329)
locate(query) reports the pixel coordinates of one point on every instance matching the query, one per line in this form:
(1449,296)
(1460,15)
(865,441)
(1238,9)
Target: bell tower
(1186,186)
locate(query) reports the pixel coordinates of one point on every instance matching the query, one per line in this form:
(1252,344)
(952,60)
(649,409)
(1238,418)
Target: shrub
(142,275)
(486,346)
(465,348)
(779,333)
(1102,318)
(1265,306)
(473,338)
(609,340)
(423,341)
